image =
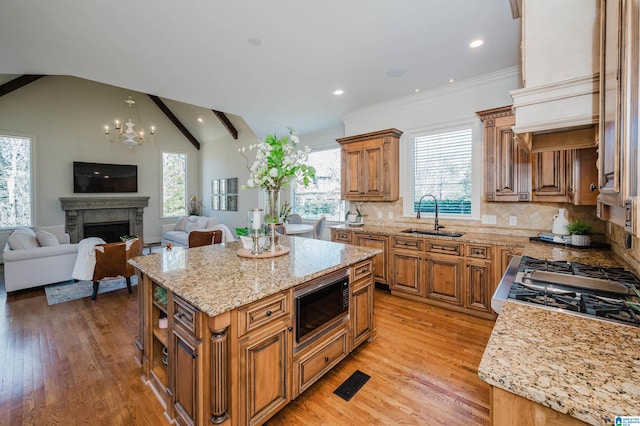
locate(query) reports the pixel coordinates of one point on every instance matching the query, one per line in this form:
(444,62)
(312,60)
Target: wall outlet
(513,220)
(379,215)
(488,219)
(390,215)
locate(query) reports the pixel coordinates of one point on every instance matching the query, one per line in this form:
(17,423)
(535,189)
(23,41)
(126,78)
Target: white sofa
(26,265)
(178,233)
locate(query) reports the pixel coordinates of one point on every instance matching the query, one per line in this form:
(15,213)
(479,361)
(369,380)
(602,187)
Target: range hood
(557,106)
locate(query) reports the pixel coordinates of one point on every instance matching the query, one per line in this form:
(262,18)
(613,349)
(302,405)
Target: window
(15,181)
(174,184)
(322,196)
(443,167)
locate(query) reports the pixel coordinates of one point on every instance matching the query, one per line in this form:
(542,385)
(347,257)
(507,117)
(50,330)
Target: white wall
(66,118)
(220,159)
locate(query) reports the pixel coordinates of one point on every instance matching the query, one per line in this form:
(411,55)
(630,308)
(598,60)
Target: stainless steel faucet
(436,227)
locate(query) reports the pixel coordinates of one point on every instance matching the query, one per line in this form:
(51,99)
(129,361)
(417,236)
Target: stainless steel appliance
(604,292)
(320,306)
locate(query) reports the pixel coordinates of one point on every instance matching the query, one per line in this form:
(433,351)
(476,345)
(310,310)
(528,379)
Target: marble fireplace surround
(102,210)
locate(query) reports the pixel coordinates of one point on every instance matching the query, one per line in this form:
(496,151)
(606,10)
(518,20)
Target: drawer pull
(326,359)
(446,248)
(290,328)
(268,313)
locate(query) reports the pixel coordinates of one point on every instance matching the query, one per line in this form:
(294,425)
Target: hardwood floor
(73,363)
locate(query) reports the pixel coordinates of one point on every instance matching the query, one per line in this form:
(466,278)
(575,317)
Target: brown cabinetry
(619,92)
(379,261)
(405,265)
(341,236)
(549,176)
(507,164)
(370,166)
(361,304)
(582,177)
(444,278)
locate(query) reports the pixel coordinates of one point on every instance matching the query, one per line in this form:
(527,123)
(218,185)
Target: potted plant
(580,233)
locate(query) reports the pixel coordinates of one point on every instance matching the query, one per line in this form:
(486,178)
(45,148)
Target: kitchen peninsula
(238,344)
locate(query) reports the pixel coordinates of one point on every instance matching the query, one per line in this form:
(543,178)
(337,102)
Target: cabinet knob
(268,313)
(592,187)
(326,359)
(290,328)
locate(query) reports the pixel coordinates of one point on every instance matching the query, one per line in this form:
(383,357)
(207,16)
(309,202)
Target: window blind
(442,167)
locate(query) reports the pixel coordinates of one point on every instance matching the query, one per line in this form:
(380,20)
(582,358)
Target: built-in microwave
(321,305)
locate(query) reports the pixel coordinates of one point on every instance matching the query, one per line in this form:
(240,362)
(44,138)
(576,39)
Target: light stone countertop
(215,279)
(587,368)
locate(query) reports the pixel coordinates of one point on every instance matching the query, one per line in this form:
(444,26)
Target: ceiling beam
(226,123)
(164,108)
(18,82)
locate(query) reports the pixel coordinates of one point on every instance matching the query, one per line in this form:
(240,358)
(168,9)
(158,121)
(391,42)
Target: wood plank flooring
(73,363)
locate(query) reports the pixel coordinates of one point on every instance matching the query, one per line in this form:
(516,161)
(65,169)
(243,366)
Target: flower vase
(273,223)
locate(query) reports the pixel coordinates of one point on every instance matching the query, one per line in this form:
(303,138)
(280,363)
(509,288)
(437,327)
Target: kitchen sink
(440,233)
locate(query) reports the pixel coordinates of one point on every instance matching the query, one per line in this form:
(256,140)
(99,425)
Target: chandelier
(133,132)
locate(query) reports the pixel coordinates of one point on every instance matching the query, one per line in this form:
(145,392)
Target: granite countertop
(215,279)
(584,367)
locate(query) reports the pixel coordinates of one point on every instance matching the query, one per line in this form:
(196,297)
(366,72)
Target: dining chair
(112,262)
(294,219)
(317,228)
(204,238)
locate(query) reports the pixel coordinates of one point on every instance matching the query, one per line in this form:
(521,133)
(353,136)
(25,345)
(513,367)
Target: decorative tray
(593,245)
(243,252)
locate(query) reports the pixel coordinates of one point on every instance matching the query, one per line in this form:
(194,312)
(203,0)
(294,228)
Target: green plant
(160,295)
(579,227)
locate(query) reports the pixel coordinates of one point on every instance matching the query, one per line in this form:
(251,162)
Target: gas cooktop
(604,292)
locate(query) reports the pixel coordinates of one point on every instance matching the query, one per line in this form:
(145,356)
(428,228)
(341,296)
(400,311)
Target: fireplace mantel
(93,210)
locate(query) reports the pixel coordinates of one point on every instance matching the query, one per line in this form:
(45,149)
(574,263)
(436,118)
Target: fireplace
(106,217)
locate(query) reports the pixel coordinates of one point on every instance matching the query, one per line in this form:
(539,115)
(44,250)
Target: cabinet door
(352,167)
(479,285)
(361,311)
(549,176)
(406,267)
(186,377)
(507,164)
(444,278)
(505,254)
(341,236)
(264,361)
(373,177)
(379,260)
(582,183)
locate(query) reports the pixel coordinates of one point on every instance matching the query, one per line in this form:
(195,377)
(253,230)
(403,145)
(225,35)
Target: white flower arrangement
(278,163)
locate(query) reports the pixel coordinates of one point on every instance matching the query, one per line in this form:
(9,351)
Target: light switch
(390,215)
(488,219)
(379,215)
(513,220)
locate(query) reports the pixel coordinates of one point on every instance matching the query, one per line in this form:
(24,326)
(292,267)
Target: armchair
(112,262)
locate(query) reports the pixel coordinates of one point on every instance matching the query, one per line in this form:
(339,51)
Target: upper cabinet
(560,66)
(370,165)
(617,156)
(507,165)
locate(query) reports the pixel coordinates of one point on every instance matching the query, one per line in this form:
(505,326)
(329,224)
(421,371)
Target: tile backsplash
(532,218)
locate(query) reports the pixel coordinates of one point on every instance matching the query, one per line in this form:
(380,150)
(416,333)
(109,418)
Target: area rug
(69,290)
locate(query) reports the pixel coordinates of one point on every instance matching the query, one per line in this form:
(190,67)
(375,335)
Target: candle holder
(272,237)
(256,235)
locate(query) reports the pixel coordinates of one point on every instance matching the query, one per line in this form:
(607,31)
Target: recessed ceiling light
(255,42)
(476,43)
(451,80)
(200,120)
(417,89)
(396,72)
(338,92)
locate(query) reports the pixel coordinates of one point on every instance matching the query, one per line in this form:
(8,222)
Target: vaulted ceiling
(275,63)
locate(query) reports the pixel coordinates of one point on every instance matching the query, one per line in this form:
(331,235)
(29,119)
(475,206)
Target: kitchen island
(230,352)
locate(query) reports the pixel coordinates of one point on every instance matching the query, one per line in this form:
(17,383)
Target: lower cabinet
(479,286)
(444,278)
(361,311)
(379,260)
(264,360)
(185,384)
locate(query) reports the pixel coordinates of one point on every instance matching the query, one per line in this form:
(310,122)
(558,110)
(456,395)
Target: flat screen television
(100,178)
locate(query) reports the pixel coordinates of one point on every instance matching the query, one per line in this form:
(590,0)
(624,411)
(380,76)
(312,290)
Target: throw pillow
(57,230)
(191,226)
(202,222)
(46,239)
(211,222)
(25,230)
(181,225)
(21,241)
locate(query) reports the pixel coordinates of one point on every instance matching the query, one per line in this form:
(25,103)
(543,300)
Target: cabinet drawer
(360,270)
(445,247)
(263,312)
(478,251)
(320,360)
(185,315)
(407,243)
(342,236)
